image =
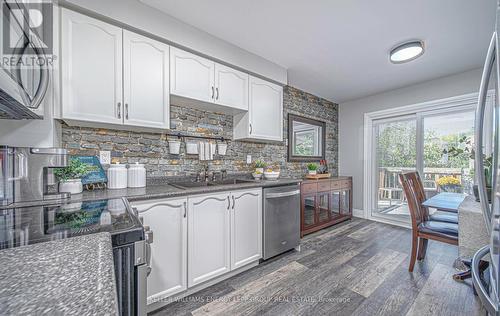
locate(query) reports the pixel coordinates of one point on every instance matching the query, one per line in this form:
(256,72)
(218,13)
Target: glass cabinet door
(309,211)
(323,207)
(336,202)
(345,205)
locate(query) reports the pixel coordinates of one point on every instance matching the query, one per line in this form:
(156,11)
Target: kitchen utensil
(191,148)
(222,149)
(174,147)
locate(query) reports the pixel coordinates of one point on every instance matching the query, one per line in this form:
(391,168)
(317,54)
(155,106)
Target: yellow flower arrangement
(448,180)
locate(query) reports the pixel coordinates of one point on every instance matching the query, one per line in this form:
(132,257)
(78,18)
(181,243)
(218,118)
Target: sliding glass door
(435,143)
(447,165)
(395,151)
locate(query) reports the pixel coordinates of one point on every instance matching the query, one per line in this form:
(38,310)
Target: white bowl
(274,175)
(257,176)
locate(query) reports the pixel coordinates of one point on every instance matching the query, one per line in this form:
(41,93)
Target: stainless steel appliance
(33,177)
(20,99)
(281,219)
(26,174)
(6,176)
(488,291)
(28,225)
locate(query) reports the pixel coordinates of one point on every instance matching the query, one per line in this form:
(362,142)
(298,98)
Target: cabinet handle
(185,209)
(217,91)
(234,201)
(212,92)
(228,203)
(126,111)
(119,110)
(251,129)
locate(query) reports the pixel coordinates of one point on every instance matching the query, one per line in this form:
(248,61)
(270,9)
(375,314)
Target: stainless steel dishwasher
(281,219)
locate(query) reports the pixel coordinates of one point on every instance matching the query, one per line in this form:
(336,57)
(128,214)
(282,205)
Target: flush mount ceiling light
(406,52)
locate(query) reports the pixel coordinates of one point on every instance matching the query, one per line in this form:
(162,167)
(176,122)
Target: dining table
(472,234)
(445,201)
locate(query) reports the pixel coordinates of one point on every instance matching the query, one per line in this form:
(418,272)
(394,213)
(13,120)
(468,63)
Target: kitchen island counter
(73,276)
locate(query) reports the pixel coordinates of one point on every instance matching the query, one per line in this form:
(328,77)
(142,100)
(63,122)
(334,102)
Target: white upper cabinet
(208,237)
(212,86)
(146,81)
(246,227)
(91,69)
(264,120)
(191,76)
(95,57)
(231,87)
(167,220)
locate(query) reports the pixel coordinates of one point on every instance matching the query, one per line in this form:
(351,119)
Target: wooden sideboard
(324,203)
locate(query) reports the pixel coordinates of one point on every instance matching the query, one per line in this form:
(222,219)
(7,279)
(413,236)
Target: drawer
(324,186)
(309,188)
(346,184)
(336,185)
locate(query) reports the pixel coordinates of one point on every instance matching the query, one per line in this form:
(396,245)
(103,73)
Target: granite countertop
(158,191)
(73,276)
(472,232)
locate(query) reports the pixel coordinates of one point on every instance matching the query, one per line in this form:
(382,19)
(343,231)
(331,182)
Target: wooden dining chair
(439,215)
(423,228)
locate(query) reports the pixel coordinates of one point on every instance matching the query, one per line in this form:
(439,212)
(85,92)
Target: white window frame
(465,102)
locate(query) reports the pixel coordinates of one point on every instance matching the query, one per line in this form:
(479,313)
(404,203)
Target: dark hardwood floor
(356,268)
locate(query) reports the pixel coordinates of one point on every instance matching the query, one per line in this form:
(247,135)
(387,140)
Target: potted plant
(312,168)
(449,184)
(466,147)
(259,166)
(70,177)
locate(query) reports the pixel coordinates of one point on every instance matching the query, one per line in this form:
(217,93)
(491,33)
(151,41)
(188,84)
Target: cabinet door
(208,237)
(91,62)
(323,207)
(231,87)
(191,76)
(336,204)
(266,110)
(246,227)
(345,205)
(167,220)
(146,81)
(308,211)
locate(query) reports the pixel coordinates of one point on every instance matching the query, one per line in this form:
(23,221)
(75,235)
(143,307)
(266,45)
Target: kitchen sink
(187,185)
(228,182)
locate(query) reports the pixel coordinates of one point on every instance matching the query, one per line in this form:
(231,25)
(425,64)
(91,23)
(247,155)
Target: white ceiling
(338,49)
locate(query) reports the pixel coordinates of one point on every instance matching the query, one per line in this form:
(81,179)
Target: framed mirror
(306,139)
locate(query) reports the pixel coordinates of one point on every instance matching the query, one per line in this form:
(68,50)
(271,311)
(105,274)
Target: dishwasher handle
(282,194)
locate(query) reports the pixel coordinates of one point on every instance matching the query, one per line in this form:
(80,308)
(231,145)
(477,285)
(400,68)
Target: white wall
(140,16)
(351,116)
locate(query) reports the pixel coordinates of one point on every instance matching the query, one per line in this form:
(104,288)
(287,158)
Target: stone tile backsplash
(151,149)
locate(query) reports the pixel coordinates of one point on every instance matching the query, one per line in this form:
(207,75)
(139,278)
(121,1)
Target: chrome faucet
(205,173)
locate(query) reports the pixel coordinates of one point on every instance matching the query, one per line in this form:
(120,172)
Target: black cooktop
(29,225)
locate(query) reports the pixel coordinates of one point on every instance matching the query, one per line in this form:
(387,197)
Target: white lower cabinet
(246,227)
(167,219)
(208,237)
(199,238)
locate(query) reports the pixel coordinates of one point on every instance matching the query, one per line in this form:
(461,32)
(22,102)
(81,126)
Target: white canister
(136,176)
(117,176)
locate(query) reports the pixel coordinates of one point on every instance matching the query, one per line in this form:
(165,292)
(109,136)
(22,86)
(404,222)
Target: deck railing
(390,189)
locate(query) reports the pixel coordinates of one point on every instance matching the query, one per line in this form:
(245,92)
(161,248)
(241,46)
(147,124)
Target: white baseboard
(358,213)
